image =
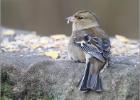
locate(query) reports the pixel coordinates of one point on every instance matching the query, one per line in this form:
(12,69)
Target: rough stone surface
(29,73)
(59,78)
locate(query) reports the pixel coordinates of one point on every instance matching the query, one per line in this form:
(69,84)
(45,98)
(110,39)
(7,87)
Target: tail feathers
(83,81)
(92,82)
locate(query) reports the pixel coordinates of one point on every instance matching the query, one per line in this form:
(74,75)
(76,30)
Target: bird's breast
(75,52)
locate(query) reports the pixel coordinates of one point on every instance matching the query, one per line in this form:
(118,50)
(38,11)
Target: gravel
(30,43)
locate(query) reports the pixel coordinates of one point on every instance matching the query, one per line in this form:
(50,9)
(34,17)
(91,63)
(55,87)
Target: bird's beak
(70,19)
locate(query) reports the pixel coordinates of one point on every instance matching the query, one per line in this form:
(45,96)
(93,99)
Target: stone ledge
(59,78)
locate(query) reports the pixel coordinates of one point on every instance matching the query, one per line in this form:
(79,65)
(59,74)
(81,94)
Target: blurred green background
(48,16)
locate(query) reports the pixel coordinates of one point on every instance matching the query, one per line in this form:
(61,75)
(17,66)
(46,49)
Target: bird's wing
(95,47)
(106,47)
(105,44)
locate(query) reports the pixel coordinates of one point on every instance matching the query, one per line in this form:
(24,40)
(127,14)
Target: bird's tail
(94,82)
(90,81)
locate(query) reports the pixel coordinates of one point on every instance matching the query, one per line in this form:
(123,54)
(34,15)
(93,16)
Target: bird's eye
(78,17)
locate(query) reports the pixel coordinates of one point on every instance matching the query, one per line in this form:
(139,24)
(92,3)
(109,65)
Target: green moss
(30,93)
(50,97)
(6,87)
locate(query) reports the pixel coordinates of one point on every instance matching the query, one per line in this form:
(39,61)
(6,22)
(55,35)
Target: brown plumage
(90,44)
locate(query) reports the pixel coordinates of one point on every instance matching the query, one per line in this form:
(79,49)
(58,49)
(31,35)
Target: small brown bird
(90,44)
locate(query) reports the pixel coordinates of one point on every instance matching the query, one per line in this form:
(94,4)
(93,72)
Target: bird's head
(83,20)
